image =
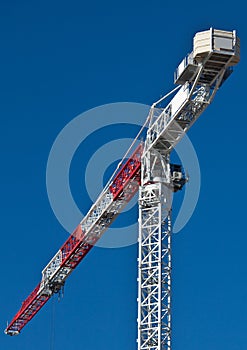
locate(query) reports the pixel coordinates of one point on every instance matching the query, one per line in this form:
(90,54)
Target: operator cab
(178,177)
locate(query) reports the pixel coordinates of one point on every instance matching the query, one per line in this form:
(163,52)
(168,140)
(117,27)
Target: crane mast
(201,73)
(148,170)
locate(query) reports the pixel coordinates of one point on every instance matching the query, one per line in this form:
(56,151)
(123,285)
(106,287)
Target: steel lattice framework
(148,169)
(154,293)
(167,126)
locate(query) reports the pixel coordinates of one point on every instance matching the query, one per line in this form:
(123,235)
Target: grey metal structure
(200,75)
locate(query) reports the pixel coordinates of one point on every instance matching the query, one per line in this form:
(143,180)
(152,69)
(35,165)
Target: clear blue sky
(59,59)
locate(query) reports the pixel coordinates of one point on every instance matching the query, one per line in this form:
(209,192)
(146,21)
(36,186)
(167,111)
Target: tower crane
(149,170)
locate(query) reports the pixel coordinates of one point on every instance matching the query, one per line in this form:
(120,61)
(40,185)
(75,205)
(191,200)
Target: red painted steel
(71,244)
(28,310)
(75,248)
(130,170)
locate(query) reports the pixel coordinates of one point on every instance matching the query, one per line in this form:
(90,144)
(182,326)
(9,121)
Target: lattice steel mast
(201,73)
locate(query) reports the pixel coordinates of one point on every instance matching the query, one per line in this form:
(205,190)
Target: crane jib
(123,187)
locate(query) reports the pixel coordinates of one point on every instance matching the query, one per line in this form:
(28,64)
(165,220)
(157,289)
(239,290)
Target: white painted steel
(53,273)
(154,277)
(168,124)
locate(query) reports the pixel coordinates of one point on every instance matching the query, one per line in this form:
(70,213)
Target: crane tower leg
(154,278)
